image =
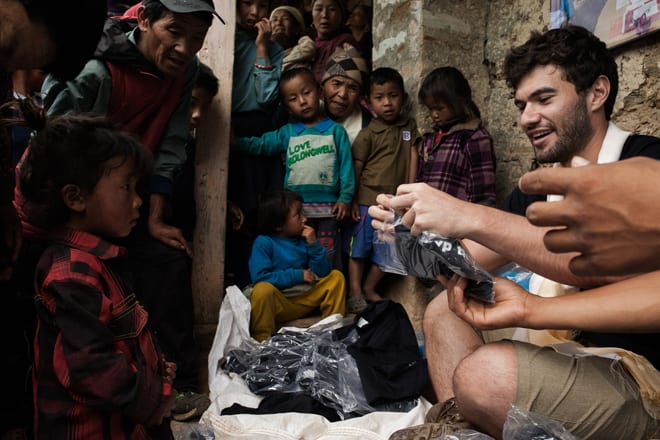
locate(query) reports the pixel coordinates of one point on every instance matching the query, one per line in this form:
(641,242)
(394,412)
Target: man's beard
(573,132)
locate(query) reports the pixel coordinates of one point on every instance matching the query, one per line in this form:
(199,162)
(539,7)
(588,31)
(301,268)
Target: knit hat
(295,13)
(346,61)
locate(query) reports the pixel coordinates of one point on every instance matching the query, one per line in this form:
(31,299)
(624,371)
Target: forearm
(629,306)
(157,207)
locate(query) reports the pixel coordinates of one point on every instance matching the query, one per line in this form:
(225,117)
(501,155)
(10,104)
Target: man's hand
(609,215)
(424,208)
(162,232)
(509,310)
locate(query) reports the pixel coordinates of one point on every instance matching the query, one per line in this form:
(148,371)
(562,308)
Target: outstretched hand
(609,215)
(512,303)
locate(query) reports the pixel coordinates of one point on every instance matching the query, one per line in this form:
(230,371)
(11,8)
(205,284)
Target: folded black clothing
(430,255)
(279,402)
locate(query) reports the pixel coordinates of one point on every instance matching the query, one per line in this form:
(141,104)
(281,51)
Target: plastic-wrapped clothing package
(429,255)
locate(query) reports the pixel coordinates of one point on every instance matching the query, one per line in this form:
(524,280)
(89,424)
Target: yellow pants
(270,307)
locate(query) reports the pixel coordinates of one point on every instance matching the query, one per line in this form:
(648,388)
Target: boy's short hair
(273,209)
(580,54)
(384,75)
(207,80)
(288,75)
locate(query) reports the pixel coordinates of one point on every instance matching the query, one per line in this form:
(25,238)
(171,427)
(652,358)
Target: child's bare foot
(356,304)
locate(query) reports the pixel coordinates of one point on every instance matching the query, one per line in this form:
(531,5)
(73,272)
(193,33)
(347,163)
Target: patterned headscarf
(346,61)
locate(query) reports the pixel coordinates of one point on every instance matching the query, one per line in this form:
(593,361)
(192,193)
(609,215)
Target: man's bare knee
(435,311)
(485,384)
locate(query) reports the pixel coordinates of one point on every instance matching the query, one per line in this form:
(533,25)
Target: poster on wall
(614,21)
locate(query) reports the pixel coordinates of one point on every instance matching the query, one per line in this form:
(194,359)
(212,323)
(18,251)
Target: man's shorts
(359,236)
(593,397)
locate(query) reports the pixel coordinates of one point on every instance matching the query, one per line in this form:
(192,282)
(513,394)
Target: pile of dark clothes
(371,364)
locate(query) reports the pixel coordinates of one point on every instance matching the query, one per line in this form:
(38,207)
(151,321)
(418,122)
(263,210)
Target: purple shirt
(461,164)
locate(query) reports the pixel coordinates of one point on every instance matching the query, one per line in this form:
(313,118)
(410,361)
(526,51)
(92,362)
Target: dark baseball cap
(187,6)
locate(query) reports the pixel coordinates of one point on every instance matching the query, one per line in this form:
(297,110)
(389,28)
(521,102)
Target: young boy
(318,158)
(97,370)
(385,156)
(290,269)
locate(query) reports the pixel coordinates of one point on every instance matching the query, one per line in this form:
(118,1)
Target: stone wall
(415,36)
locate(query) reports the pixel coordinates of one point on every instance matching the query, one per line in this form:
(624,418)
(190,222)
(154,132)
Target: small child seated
(291,271)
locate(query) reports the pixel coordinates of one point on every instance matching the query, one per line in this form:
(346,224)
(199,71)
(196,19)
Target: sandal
(356,304)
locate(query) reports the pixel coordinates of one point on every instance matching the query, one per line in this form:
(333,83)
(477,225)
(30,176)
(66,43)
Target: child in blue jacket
(290,269)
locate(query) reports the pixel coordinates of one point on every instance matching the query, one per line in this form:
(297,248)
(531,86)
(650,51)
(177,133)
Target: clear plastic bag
(429,255)
(317,364)
(516,273)
(465,434)
(524,425)
(194,431)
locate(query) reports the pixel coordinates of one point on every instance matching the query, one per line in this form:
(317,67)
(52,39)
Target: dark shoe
(189,405)
(442,419)
(446,412)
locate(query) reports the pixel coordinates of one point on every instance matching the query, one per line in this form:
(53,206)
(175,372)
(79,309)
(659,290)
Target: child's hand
(236,216)
(355,212)
(169,369)
(309,234)
(309,276)
(340,210)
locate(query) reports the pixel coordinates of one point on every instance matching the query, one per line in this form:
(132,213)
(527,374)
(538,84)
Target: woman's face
(250,12)
(327,18)
(282,22)
(358,19)
(341,96)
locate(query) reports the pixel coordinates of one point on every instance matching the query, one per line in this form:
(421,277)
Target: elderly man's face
(172,42)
